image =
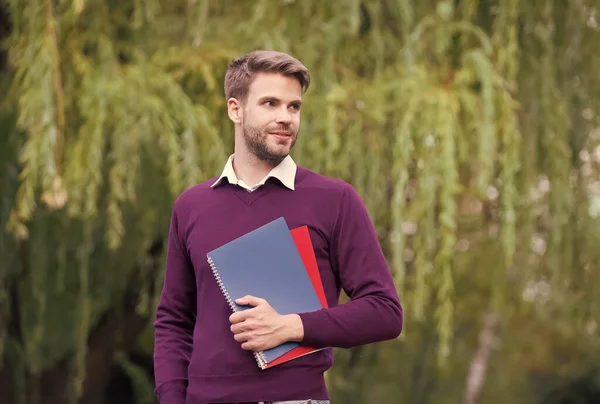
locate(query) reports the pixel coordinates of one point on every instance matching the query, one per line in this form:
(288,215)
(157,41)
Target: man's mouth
(281,134)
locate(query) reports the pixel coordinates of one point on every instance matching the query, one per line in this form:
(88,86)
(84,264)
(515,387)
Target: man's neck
(250,169)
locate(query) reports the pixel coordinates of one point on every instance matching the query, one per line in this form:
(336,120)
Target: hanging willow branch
(41,112)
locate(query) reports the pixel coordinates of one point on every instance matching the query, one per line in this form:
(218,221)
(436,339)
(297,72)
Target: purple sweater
(196,358)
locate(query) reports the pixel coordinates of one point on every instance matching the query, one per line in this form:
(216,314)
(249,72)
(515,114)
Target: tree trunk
(476,376)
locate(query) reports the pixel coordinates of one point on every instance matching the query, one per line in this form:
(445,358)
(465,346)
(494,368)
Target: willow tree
(467,126)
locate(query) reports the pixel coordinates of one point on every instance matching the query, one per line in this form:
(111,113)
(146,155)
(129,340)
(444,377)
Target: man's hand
(261,327)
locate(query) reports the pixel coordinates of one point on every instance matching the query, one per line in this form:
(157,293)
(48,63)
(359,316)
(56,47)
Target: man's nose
(283,116)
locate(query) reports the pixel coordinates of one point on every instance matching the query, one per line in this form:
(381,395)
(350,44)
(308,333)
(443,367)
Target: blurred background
(471,128)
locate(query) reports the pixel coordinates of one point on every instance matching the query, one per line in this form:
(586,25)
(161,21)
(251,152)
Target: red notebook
(301,238)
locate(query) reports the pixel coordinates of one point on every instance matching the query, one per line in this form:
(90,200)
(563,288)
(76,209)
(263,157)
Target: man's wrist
(294,329)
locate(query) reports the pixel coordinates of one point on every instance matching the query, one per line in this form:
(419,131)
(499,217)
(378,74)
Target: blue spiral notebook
(265,263)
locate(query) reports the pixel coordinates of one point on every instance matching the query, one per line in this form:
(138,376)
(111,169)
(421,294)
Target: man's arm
(174,324)
(373,313)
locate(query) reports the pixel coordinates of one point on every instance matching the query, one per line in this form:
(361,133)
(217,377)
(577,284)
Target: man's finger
(241,327)
(239,316)
(249,346)
(241,337)
(250,301)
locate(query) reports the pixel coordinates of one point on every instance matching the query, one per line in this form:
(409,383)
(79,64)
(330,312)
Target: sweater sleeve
(174,323)
(373,313)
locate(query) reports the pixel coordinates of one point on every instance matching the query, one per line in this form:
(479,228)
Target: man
(203,352)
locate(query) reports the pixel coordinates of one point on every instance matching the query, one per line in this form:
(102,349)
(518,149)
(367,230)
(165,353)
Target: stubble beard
(256,141)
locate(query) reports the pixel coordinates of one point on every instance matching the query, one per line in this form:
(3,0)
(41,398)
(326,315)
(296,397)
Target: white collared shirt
(284,172)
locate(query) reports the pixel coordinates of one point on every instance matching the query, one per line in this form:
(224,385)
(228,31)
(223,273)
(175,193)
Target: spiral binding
(258,356)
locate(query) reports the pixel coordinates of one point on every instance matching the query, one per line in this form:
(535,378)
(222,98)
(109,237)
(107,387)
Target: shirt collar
(284,172)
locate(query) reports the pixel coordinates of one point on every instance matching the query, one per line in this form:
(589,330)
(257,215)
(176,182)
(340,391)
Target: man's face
(271,116)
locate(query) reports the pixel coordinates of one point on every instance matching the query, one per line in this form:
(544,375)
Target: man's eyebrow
(273,98)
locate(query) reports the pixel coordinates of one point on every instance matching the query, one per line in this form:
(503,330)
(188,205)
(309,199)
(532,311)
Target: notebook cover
(265,263)
(305,248)
(304,245)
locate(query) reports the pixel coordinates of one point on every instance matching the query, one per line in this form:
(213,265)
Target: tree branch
(476,376)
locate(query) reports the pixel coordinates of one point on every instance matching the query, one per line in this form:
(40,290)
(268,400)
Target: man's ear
(234,109)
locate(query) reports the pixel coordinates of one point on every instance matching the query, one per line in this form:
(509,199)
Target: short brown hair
(241,71)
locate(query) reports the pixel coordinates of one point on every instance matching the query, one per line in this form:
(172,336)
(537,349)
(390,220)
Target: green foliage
(142,387)
(470,128)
